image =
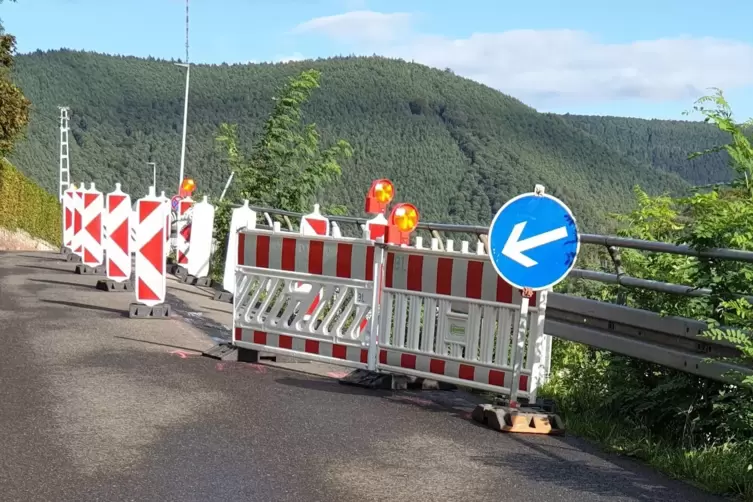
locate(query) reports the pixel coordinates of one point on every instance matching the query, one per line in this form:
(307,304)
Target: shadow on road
(119,312)
(329,386)
(44,257)
(157,343)
(63,283)
(47,269)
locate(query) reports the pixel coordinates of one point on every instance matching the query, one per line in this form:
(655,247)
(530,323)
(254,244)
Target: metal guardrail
(674,342)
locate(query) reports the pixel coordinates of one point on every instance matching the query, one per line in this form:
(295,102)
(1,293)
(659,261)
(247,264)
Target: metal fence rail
(675,342)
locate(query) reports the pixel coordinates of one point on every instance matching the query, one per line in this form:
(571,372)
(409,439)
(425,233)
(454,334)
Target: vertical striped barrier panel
(78,202)
(376,227)
(200,243)
(168,220)
(421,334)
(242,218)
(150,279)
(184,231)
(268,317)
(68,210)
(91,235)
(118,244)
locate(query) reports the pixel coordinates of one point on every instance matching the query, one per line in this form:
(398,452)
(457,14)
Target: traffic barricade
(442,316)
(449,317)
(270,317)
(118,243)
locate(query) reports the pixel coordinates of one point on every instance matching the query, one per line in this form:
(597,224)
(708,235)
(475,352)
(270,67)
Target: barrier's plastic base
(223,352)
(112,286)
(520,420)
(139,311)
(87,270)
(65,251)
(223,296)
(196,281)
(179,272)
(73,258)
(388,381)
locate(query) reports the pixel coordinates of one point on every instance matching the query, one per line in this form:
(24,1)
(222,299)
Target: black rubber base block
(139,311)
(87,270)
(114,287)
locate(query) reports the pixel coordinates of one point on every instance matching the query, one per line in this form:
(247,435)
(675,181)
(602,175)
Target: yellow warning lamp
(402,221)
(187,187)
(379,196)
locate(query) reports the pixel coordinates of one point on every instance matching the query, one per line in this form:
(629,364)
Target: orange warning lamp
(402,221)
(187,187)
(380,195)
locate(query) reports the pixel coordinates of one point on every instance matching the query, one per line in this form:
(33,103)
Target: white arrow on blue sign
(533,241)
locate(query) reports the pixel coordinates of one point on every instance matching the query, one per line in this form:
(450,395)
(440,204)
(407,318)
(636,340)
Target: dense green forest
(456,148)
(663,143)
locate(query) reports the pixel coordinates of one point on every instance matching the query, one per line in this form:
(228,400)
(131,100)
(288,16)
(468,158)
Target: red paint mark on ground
(338,374)
(182,354)
(229,366)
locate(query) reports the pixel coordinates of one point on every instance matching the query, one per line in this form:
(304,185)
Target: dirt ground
(22,241)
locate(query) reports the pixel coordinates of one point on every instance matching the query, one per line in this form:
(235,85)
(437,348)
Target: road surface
(99,407)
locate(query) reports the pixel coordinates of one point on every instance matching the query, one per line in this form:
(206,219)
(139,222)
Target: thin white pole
(185,107)
(224,190)
(154,173)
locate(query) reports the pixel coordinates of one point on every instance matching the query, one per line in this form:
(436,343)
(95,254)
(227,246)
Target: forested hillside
(454,147)
(663,143)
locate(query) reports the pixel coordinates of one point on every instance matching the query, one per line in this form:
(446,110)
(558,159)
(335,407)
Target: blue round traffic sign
(533,241)
(174,202)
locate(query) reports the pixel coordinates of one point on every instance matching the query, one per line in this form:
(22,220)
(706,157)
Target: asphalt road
(96,406)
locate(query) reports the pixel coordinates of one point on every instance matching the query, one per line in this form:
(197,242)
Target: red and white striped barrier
(242,218)
(200,243)
(168,220)
(68,208)
(77,205)
(91,235)
(185,207)
(283,259)
(118,244)
(375,228)
(312,224)
(150,274)
(445,316)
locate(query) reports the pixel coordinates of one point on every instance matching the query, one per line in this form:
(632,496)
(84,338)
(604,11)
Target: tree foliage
(288,167)
(14,107)
(671,406)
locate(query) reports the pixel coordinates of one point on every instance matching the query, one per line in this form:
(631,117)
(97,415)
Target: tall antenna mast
(186,31)
(185,108)
(64,178)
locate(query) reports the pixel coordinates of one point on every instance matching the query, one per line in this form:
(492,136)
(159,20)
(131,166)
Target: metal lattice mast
(65,161)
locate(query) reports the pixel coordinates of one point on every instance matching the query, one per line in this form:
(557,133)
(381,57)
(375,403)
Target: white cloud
(296,56)
(362,26)
(550,66)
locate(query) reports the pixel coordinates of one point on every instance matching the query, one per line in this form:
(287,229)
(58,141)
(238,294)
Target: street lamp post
(154,174)
(185,122)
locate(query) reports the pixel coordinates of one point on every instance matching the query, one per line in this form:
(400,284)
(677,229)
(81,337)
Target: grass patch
(724,470)
(26,206)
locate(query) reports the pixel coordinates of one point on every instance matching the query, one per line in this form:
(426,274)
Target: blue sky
(639,58)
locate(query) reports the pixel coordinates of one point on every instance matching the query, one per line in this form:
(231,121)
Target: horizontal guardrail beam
(675,342)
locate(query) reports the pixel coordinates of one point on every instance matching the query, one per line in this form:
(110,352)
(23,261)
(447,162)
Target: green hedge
(26,206)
